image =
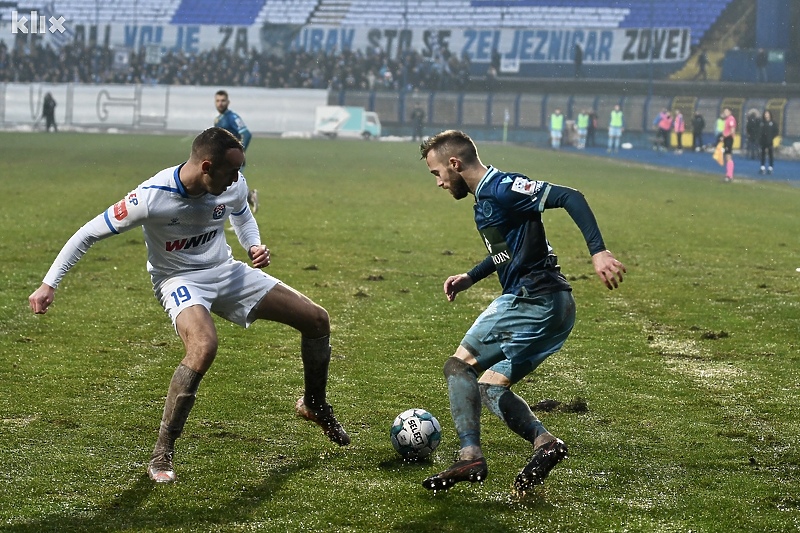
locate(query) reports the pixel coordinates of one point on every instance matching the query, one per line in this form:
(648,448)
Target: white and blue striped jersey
(181,233)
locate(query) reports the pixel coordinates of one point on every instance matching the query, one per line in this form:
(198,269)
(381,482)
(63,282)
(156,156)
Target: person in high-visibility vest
(556,128)
(679,126)
(615,127)
(582,123)
(718,127)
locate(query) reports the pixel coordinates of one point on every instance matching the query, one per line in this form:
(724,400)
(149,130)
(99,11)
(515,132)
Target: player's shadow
(129,511)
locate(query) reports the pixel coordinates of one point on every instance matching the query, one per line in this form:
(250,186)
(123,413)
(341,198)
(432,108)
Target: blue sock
(465,401)
(512,410)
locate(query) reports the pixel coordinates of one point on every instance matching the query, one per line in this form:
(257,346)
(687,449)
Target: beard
(459,189)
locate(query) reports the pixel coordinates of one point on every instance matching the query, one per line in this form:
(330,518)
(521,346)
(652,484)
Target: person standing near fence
(556,128)
(728,134)
(751,127)
(698,125)
(702,63)
(768,133)
(664,124)
(417,120)
(615,128)
(582,124)
(679,126)
(762,60)
(591,129)
(49,112)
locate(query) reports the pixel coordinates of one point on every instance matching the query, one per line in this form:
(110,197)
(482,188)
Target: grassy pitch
(678,392)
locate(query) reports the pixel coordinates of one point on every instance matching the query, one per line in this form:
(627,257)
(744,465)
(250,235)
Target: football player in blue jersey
(231,121)
(532,318)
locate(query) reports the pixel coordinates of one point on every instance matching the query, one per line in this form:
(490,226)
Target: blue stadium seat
(218,12)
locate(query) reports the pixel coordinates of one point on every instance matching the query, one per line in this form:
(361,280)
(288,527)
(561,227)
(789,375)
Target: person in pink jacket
(728,134)
(664,123)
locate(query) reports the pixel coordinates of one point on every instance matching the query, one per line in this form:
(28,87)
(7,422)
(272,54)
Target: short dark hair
(451,143)
(213,144)
(222,92)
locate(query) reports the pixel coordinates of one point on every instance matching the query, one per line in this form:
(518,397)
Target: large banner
(165,108)
(514,48)
(600,46)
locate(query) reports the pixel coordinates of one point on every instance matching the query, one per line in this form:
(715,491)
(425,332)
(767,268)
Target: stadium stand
(286,11)
(225,12)
(698,15)
(218,12)
(118,11)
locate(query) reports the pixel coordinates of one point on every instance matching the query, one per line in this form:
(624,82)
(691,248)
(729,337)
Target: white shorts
(230,290)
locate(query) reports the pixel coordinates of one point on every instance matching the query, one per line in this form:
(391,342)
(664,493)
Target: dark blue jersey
(233,123)
(508,214)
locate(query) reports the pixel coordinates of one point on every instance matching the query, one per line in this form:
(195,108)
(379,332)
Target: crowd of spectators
(370,70)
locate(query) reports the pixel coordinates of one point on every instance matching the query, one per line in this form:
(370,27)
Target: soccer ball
(415,434)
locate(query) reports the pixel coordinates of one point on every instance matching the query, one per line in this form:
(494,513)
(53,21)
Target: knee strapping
(455,366)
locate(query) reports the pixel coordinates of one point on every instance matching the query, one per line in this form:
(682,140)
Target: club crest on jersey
(526,186)
(487,209)
(219,212)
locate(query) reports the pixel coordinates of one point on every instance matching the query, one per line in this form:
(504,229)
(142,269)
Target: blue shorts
(515,334)
(614,131)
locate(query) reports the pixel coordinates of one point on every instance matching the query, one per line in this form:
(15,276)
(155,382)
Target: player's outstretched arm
(455,284)
(608,268)
(41,298)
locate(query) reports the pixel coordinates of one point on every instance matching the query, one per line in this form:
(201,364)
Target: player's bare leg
(288,306)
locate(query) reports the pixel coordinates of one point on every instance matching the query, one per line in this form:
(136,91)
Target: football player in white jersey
(182,211)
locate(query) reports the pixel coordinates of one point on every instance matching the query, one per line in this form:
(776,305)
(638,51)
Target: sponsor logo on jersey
(191,242)
(174,222)
(219,212)
(487,243)
(496,245)
(526,186)
(501,257)
(120,210)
